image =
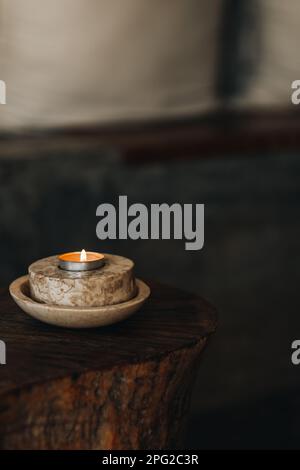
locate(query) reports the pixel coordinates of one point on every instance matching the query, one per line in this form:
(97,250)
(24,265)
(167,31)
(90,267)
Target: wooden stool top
(170,320)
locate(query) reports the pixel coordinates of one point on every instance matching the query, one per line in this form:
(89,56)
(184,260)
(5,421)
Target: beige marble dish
(76,317)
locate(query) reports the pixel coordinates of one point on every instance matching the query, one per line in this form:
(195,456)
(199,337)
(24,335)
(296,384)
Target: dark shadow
(267,423)
(239,47)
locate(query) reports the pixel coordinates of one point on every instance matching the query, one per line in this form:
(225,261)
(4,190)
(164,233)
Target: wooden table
(126,386)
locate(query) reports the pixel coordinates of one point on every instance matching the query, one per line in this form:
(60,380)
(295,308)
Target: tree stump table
(126,386)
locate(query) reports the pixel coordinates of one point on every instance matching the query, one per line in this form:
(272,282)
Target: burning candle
(81,261)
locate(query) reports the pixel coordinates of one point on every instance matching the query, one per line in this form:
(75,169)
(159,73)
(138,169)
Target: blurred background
(169,101)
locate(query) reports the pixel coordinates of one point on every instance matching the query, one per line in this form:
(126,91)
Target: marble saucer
(76,317)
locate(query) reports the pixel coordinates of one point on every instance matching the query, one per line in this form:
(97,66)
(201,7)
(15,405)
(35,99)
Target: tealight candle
(81,261)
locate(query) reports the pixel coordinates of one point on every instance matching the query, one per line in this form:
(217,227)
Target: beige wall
(279,55)
(69,62)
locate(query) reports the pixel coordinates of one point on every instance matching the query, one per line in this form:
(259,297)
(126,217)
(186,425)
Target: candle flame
(83,256)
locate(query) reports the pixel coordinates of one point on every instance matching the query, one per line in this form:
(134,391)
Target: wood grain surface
(124,387)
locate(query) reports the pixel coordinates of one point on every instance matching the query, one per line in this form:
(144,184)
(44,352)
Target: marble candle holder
(111,284)
(83,299)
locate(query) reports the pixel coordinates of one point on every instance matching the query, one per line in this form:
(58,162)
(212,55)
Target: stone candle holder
(80,299)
